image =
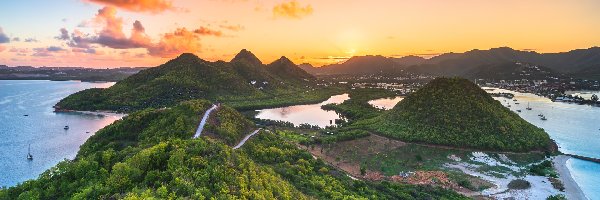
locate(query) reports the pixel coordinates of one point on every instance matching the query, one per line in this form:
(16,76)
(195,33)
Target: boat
(518,110)
(540,115)
(543,118)
(29,156)
(528,108)
(508,106)
(514,100)
(26,115)
(66,128)
(517,103)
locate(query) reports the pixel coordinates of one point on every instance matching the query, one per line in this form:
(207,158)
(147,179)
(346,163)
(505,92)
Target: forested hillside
(188,77)
(456,112)
(150,155)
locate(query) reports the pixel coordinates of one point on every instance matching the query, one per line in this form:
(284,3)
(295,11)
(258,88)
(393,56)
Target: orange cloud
(232,27)
(207,31)
(154,6)
(292,10)
(2,48)
(173,44)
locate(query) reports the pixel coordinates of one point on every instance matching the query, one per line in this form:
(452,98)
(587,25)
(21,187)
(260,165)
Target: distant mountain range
(578,62)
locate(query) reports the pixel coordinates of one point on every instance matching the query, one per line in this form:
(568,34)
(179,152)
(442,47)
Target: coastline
(96,113)
(572,190)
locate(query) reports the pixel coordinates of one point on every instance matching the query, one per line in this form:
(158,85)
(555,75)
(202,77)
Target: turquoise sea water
(575,128)
(43,129)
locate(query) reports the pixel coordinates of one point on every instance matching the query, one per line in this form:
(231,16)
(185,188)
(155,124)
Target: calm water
(311,114)
(575,128)
(386,103)
(43,128)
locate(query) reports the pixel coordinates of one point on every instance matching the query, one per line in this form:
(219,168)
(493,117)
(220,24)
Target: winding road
(203,121)
(246,138)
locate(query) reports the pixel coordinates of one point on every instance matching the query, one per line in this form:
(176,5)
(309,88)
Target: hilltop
(188,77)
(456,112)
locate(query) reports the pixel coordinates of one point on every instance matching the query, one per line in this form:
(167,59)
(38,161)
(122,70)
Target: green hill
(243,82)
(456,112)
(150,155)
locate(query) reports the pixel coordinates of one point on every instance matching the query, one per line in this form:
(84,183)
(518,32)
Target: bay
(27,118)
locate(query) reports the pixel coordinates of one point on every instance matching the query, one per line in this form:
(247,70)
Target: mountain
(150,154)
(511,71)
(285,68)
(189,77)
(246,56)
(456,112)
(362,65)
(578,62)
(307,67)
(410,60)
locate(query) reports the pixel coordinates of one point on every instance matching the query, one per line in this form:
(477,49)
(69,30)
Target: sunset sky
(115,33)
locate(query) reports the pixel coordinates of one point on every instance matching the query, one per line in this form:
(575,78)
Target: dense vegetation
(456,112)
(244,83)
(316,179)
(150,155)
(358,107)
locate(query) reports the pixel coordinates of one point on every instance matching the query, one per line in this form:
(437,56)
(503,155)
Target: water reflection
(305,114)
(386,103)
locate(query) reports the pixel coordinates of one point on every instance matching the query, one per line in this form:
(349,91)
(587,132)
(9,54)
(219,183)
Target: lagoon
(305,114)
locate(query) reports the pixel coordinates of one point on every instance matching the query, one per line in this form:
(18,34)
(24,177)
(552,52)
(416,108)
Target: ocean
(27,118)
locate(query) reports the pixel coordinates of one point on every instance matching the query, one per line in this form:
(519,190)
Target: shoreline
(98,113)
(572,189)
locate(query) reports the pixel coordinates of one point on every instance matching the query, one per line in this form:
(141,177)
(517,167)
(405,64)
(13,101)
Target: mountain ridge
(188,77)
(578,61)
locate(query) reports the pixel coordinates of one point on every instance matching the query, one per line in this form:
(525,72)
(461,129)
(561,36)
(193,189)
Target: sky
(124,33)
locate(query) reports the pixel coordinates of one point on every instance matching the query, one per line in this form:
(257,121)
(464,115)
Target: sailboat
(528,108)
(29,156)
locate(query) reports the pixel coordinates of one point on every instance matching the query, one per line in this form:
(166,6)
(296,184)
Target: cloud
(2,48)
(291,10)
(153,6)
(84,50)
(3,37)
(46,52)
(232,27)
(207,31)
(111,34)
(55,48)
(16,39)
(19,50)
(31,40)
(80,40)
(173,44)
(64,34)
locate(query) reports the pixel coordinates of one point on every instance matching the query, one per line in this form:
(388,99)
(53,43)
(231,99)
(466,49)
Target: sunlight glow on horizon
(306,31)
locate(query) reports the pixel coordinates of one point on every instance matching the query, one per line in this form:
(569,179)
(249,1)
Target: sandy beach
(571,188)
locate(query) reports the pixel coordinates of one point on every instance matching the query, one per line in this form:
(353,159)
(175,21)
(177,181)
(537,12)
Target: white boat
(29,156)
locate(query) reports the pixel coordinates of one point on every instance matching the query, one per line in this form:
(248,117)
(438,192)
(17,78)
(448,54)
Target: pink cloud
(153,6)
